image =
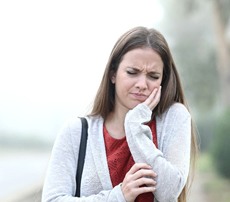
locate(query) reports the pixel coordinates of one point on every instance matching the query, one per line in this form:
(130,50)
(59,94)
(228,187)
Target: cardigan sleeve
(60,184)
(171,160)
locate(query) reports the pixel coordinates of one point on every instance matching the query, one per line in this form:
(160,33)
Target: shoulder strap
(81,155)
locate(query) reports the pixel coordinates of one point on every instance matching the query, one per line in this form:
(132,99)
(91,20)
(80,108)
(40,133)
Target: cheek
(123,85)
(154,85)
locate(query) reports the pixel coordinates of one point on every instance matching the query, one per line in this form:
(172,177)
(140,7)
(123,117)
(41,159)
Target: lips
(139,96)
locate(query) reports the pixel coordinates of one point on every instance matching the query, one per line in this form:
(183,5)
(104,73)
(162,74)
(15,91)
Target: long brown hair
(172,91)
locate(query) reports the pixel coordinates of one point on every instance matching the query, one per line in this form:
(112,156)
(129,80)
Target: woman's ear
(113,77)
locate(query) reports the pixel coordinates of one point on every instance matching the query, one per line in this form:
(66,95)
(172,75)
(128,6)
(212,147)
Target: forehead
(142,57)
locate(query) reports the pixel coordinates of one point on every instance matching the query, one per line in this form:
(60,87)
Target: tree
(221,22)
(199,34)
(188,28)
(220,146)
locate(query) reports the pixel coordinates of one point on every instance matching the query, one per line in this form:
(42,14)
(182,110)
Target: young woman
(141,144)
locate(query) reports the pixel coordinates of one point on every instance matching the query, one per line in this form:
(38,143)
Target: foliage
(206,131)
(9,141)
(190,31)
(224,7)
(221,144)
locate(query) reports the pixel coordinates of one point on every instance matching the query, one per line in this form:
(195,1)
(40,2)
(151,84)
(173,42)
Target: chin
(134,105)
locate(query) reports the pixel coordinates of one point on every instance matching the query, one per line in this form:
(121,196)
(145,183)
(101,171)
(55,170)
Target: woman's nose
(141,83)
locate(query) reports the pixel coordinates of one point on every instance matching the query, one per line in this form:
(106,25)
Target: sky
(53,54)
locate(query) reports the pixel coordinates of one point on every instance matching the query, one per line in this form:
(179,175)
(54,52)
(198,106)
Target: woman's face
(138,74)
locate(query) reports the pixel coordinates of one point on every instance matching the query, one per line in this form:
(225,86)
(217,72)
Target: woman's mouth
(139,96)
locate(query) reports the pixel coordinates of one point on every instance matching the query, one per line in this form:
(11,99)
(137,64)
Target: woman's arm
(171,160)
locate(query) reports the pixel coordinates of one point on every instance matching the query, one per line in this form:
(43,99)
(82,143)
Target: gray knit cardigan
(170,161)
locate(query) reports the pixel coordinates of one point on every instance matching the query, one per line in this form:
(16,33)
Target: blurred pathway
(197,192)
(21,172)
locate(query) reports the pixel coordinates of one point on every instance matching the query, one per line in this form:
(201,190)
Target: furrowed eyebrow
(139,70)
(133,68)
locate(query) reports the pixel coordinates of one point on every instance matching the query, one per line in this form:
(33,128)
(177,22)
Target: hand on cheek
(153,98)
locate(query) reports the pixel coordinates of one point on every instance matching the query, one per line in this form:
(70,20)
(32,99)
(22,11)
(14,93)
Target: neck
(114,124)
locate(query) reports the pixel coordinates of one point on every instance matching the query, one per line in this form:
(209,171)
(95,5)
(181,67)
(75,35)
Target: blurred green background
(53,56)
(199,34)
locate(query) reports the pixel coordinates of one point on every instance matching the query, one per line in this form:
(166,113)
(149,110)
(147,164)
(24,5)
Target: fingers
(146,181)
(154,98)
(142,167)
(142,174)
(139,179)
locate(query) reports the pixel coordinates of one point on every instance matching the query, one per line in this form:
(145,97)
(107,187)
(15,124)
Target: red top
(120,159)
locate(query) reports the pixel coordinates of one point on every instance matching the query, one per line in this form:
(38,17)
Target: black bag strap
(81,155)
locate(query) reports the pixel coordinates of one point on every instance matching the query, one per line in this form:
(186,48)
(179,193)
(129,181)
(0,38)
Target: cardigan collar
(97,144)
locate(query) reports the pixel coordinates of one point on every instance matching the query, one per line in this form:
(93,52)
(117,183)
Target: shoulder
(74,124)
(179,109)
(70,132)
(177,112)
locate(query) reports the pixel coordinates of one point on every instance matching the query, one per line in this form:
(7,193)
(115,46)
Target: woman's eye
(154,77)
(131,72)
